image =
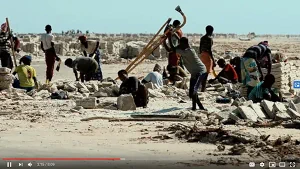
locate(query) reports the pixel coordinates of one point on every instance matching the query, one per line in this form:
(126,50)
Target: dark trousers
(98,75)
(86,76)
(6,60)
(141,97)
(195,83)
(50,63)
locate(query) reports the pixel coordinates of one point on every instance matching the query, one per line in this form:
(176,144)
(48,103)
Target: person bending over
(86,66)
(196,68)
(131,85)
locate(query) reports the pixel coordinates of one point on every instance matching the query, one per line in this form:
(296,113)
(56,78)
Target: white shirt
(156,78)
(46,40)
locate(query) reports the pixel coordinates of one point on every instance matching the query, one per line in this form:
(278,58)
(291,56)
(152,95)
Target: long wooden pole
(12,43)
(152,45)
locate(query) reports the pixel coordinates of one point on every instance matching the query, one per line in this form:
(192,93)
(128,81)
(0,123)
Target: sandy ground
(56,132)
(49,129)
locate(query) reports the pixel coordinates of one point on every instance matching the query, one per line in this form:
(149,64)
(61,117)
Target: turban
(4,27)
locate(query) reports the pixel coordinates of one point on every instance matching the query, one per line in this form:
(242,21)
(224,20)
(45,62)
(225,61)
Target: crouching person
(26,74)
(227,75)
(154,77)
(262,91)
(131,85)
(86,66)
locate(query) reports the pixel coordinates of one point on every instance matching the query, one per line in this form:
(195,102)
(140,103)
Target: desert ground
(36,126)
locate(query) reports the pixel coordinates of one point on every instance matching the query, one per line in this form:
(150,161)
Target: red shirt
(173,59)
(231,73)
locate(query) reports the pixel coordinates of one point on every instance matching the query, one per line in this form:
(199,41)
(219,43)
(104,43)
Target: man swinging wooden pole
(11,42)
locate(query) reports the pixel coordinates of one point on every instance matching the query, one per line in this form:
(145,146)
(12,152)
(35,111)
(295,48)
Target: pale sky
(147,16)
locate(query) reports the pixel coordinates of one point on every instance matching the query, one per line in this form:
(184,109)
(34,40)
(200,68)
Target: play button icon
(20,164)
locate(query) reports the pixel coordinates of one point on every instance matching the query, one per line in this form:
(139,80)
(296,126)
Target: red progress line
(62,159)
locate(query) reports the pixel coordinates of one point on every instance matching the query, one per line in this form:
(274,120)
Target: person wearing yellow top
(26,74)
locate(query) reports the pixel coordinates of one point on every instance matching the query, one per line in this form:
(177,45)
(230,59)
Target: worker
(279,57)
(262,91)
(236,63)
(263,56)
(250,73)
(86,66)
(26,74)
(227,75)
(5,47)
(47,46)
(131,85)
(90,48)
(205,53)
(174,67)
(196,68)
(154,77)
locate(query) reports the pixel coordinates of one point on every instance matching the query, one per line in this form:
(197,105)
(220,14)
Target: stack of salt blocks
(6,79)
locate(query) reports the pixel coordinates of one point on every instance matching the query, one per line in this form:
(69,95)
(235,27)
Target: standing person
(5,46)
(174,66)
(196,68)
(205,52)
(91,48)
(26,74)
(155,77)
(227,75)
(250,71)
(85,65)
(131,85)
(47,46)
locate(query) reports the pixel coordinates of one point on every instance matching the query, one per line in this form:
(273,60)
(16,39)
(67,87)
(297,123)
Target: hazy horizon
(138,16)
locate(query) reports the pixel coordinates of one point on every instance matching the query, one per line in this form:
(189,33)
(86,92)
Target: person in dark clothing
(236,63)
(131,85)
(197,69)
(262,91)
(47,46)
(227,75)
(263,56)
(5,46)
(205,53)
(85,65)
(90,48)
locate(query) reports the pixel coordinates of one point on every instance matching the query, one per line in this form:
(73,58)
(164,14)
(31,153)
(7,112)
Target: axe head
(178,9)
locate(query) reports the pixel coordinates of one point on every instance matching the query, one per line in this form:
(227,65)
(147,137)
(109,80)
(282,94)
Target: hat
(27,57)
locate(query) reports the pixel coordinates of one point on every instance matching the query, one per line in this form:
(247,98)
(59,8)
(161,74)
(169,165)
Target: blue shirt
(258,92)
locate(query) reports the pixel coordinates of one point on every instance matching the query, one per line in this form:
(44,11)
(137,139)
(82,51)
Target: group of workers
(245,69)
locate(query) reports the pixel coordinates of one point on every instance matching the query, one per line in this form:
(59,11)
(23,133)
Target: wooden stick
(145,49)
(145,53)
(96,118)
(155,116)
(149,119)
(12,43)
